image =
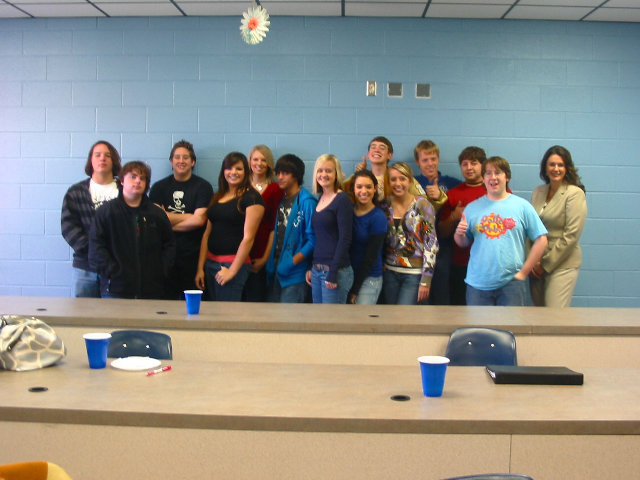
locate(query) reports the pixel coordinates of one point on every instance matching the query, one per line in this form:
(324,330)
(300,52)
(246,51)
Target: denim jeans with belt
(322,294)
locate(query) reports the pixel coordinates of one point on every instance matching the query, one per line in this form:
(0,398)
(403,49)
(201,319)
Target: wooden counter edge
(301,424)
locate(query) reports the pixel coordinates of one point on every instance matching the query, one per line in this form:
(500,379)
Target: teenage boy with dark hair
(131,243)
(470,160)
(184,197)
(78,208)
(293,237)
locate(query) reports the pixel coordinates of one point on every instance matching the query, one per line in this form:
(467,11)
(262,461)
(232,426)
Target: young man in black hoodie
(131,243)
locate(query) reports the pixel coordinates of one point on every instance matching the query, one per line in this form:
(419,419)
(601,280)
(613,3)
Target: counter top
(275,317)
(320,398)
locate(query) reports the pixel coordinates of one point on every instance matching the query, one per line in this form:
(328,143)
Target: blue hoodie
(298,237)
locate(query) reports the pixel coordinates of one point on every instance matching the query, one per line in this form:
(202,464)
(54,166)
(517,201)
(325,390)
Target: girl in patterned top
(411,245)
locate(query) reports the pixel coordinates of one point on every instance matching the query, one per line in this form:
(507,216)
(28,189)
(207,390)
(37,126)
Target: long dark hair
(571,177)
(372,177)
(115,158)
(223,186)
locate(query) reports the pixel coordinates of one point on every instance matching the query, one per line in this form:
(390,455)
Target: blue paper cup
(97,346)
(193,298)
(433,370)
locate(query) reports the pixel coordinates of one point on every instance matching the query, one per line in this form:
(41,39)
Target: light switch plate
(372,88)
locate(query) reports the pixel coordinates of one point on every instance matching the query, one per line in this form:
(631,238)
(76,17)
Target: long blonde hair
(268,156)
(328,157)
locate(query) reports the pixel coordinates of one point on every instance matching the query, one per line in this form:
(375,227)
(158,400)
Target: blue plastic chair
(493,476)
(140,343)
(479,346)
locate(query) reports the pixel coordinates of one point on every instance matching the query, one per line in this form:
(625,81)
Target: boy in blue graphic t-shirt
(497,226)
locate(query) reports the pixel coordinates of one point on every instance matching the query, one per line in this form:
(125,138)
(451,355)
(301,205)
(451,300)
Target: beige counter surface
(320,398)
(320,406)
(308,318)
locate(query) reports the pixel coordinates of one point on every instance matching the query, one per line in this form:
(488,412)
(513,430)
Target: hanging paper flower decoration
(254,25)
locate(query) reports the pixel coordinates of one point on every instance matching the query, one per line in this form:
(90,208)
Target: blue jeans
(84,283)
(369,291)
(322,294)
(296,293)
(229,292)
(513,294)
(400,288)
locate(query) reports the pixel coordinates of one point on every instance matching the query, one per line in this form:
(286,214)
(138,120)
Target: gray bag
(27,343)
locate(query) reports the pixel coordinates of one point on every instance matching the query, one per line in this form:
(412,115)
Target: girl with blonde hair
(331,275)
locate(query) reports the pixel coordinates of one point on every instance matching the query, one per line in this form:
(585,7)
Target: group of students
(380,236)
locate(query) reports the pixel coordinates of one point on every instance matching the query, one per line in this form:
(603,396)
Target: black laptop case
(504,374)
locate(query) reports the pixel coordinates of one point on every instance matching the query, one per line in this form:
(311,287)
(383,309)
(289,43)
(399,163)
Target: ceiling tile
(466,11)
(46,2)
(139,9)
(615,15)
(543,13)
(206,7)
(623,3)
(387,3)
(561,3)
(210,8)
(7,11)
(62,10)
(301,8)
(370,9)
(462,3)
(158,2)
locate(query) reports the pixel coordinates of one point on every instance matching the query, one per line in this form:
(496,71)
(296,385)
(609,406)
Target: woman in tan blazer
(562,206)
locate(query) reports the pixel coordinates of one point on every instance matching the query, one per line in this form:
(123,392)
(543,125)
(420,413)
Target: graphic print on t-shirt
(494,226)
(99,201)
(283,212)
(178,205)
(101,194)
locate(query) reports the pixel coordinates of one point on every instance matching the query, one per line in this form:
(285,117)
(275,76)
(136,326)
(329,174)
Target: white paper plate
(135,363)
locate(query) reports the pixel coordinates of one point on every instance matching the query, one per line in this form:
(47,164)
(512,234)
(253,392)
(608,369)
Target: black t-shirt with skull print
(183,197)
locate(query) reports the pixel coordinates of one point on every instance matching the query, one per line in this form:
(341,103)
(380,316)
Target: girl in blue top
(369,232)
(331,274)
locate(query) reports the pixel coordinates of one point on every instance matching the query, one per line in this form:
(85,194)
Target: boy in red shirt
(470,160)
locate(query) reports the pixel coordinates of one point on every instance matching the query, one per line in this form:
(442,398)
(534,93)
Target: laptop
(505,374)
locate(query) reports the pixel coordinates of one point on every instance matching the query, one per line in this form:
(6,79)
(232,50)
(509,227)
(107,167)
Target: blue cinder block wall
(512,87)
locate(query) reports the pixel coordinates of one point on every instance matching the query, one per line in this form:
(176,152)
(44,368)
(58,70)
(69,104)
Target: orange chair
(33,471)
